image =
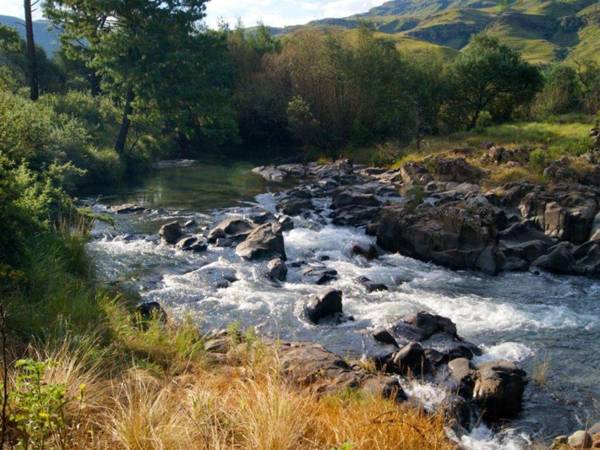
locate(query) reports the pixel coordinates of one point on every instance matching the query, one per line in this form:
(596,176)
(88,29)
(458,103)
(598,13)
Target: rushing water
(536,320)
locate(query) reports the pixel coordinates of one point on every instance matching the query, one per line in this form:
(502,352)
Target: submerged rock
(277,270)
(319,275)
(195,244)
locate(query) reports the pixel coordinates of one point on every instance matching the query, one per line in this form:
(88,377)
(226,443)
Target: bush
(537,160)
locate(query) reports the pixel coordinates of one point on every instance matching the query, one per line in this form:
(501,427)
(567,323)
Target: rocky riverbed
(316,262)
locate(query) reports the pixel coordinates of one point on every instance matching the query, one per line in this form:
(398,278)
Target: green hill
(543,30)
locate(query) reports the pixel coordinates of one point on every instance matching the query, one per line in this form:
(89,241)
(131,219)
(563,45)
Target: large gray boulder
(265,241)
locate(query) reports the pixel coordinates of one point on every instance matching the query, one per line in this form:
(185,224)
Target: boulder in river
(171,232)
(277,270)
(327,305)
(127,208)
(319,274)
(265,241)
(499,389)
(194,244)
(232,228)
(409,361)
(151,310)
(371,286)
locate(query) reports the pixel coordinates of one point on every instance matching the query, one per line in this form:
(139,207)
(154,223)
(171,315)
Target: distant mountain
(543,30)
(45,35)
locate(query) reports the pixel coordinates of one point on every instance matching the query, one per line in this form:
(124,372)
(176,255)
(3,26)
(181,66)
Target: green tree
(561,92)
(149,55)
(488,73)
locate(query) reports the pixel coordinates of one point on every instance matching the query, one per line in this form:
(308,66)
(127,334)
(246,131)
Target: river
(536,320)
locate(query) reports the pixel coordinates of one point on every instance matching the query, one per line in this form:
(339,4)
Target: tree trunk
(474,119)
(31,58)
(125,122)
(94,80)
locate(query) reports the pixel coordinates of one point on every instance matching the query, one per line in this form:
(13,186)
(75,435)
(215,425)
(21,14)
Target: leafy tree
(561,92)
(149,55)
(488,73)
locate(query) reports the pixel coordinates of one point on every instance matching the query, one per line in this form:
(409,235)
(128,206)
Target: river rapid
(540,321)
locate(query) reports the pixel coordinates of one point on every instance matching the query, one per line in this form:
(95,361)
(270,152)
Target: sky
(270,12)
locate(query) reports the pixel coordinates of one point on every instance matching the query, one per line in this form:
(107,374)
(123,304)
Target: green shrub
(537,160)
(37,407)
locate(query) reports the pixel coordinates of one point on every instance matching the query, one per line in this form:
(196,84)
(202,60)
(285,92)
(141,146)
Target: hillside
(544,31)
(46,37)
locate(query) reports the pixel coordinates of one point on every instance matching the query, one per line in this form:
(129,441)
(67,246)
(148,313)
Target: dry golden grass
(244,403)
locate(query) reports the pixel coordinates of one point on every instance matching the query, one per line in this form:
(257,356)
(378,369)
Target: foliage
(37,407)
(489,75)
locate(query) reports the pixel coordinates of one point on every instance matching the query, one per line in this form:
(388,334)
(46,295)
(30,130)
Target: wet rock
(386,387)
(194,244)
(327,305)
(127,208)
(295,206)
(369,252)
(559,259)
(410,361)
(171,232)
(499,390)
(277,270)
(559,442)
(430,324)
(266,241)
(319,275)
(371,286)
(523,241)
(190,224)
(152,310)
(286,223)
(261,217)
(231,228)
(384,336)
(580,439)
(463,376)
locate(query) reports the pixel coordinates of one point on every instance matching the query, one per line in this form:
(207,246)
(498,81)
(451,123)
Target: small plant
(540,372)
(37,407)
(537,160)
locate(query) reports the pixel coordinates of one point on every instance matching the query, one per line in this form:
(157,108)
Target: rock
(190,224)
(463,376)
(261,217)
(415,173)
(369,252)
(499,390)
(430,324)
(277,270)
(127,208)
(409,361)
(523,241)
(343,198)
(455,169)
(371,286)
(217,344)
(354,215)
(286,223)
(559,442)
(192,244)
(580,439)
(323,372)
(320,275)
(152,310)
(232,228)
(170,232)
(295,206)
(327,305)
(572,219)
(559,259)
(386,387)
(453,235)
(270,173)
(385,337)
(266,241)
